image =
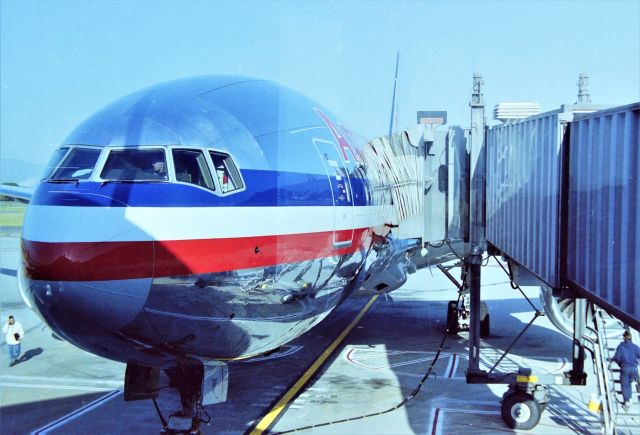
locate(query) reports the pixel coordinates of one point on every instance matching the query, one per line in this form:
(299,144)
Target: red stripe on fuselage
(87,261)
(101,261)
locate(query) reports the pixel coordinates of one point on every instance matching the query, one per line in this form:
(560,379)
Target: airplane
(206,219)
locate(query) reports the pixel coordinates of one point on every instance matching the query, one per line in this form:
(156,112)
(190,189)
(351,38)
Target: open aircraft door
(337,173)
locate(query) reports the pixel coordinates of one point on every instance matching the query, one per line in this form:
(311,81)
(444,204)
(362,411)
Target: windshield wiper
(116,181)
(63,180)
(131,181)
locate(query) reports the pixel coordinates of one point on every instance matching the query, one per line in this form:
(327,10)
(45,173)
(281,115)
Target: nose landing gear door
(338,175)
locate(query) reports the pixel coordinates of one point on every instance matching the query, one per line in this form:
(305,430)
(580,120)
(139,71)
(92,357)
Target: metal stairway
(607,333)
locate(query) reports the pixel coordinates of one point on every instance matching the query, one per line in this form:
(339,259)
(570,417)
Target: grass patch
(11,214)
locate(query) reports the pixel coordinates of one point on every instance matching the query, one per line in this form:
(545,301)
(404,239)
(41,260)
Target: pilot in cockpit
(159,169)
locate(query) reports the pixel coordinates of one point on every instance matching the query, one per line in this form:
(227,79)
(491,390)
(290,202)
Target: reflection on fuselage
(262,224)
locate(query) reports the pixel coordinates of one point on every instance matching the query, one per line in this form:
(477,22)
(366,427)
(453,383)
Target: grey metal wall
(523,187)
(458,162)
(604,208)
(599,251)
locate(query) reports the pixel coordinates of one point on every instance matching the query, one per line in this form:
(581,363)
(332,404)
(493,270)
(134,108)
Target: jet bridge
(423,172)
(554,194)
(562,203)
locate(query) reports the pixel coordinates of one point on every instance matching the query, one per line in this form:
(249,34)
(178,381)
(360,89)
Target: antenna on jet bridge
(393,99)
(583,89)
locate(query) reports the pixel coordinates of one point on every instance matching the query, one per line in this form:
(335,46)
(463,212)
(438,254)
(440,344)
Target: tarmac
(350,374)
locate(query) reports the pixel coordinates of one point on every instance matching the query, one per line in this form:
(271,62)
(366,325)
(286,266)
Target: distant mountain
(20,172)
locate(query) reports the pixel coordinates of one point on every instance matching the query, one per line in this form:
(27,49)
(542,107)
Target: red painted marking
(87,261)
(343,236)
(350,138)
(339,137)
(349,356)
(434,424)
(98,261)
(453,365)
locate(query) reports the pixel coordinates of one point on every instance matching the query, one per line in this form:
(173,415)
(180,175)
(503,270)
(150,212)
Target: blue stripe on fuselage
(264,189)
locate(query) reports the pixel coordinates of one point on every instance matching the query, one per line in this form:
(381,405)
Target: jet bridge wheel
(521,411)
(452,317)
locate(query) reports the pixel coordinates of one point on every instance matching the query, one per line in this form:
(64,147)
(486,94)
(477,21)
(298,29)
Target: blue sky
(60,61)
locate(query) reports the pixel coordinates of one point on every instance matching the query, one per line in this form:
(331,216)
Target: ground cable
(413,394)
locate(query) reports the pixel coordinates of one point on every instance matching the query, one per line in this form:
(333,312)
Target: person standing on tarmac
(627,356)
(13,334)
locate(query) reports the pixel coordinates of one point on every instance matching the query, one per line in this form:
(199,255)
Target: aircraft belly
(247,312)
(89,314)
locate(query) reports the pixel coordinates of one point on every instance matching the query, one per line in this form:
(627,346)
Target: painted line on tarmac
(453,365)
(353,357)
(383,354)
(279,407)
(286,350)
(88,382)
(77,413)
(55,387)
(438,416)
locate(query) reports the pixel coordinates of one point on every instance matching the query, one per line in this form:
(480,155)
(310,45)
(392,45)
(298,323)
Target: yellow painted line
(532,379)
(268,419)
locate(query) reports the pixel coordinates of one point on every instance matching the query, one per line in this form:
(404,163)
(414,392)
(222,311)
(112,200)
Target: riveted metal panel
(523,192)
(604,209)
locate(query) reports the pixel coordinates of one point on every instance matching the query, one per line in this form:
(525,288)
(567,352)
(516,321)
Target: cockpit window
(226,171)
(55,160)
(77,165)
(191,167)
(135,165)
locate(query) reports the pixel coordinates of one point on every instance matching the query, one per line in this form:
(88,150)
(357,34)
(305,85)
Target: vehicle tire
(520,411)
(452,317)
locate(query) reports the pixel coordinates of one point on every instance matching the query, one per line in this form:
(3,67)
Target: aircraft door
(337,173)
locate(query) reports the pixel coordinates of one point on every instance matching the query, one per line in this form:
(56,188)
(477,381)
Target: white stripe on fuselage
(117,224)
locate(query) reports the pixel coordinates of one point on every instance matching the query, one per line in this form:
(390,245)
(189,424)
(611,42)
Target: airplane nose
(87,288)
(80,308)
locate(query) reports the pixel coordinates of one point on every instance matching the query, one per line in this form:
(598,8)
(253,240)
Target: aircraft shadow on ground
(428,320)
(8,272)
(23,418)
(416,326)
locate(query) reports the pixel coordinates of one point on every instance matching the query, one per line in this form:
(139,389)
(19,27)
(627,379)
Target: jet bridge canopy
(423,173)
(557,193)
(562,193)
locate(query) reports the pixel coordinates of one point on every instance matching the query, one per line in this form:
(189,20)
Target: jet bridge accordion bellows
(394,165)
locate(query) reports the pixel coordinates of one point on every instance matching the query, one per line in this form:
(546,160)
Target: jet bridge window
(135,165)
(191,167)
(77,165)
(226,171)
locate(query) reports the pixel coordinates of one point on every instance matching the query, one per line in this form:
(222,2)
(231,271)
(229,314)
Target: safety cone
(595,406)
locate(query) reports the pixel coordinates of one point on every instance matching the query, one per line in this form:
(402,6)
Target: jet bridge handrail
(600,367)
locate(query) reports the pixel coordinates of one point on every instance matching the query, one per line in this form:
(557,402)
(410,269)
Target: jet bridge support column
(526,397)
(577,374)
(472,265)
(473,260)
